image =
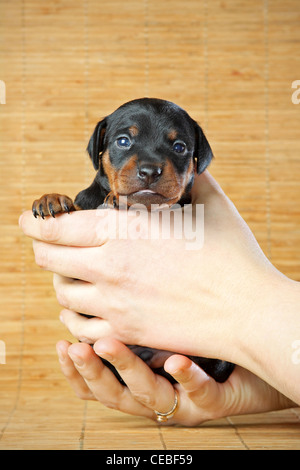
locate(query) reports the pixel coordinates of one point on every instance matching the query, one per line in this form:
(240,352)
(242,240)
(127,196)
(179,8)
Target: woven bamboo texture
(66,64)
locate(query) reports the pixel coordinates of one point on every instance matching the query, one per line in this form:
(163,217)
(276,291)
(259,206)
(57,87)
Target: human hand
(143,291)
(225,300)
(200,397)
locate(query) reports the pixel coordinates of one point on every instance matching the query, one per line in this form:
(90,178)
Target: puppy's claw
(41,211)
(51,210)
(66,208)
(35,212)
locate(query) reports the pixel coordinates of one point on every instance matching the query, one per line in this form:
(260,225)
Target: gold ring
(163,417)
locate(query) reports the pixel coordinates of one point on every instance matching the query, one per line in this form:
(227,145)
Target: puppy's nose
(149,173)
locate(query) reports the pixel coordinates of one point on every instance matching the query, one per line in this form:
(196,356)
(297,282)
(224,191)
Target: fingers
(86,330)
(77,295)
(200,397)
(184,370)
(198,386)
(67,261)
(90,379)
(70,372)
(80,228)
(153,391)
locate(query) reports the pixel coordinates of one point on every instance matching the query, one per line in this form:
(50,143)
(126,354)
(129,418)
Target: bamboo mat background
(66,64)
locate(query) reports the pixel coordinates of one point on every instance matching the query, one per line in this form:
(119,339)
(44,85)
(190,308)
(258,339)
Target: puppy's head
(148,151)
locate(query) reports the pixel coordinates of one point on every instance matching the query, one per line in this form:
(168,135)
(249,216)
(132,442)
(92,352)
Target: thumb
(199,387)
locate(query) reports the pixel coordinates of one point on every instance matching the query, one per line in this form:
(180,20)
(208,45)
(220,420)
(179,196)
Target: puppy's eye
(124,142)
(179,147)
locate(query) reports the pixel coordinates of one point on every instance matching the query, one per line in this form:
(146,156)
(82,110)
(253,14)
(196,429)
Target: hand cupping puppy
(200,398)
(158,294)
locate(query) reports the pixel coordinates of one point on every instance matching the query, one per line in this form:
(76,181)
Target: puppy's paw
(52,204)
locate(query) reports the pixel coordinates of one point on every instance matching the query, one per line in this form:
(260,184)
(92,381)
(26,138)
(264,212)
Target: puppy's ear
(96,144)
(203,153)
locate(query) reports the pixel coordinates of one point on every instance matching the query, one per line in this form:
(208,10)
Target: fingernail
(61,355)
(62,319)
(78,360)
(104,355)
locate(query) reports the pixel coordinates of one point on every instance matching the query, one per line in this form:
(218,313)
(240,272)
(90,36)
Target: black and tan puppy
(148,151)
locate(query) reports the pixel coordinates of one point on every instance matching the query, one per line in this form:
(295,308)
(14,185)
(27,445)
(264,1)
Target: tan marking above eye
(172,134)
(133,131)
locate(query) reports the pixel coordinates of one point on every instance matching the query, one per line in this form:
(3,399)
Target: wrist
(265,343)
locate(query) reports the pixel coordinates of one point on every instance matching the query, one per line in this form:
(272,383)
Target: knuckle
(50,230)
(69,373)
(90,376)
(121,366)
(82,395)
(41,257)
(146,399)
(74,323)
(61,297)
(109,404)
(73,329)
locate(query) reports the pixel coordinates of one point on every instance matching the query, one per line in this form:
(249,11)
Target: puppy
(147,151)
